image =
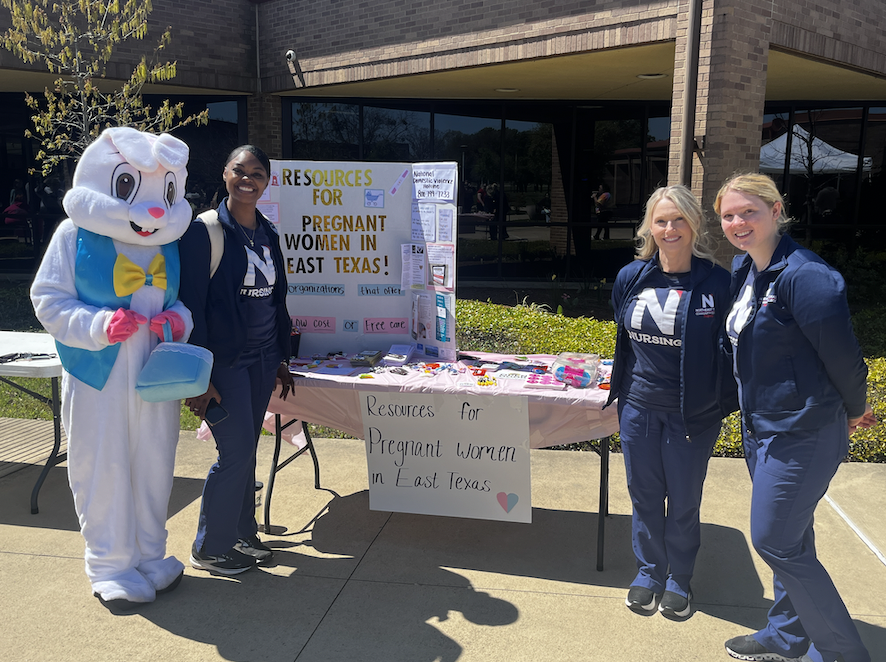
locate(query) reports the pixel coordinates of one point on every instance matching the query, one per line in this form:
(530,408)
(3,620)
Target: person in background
(19,189)
(802,389)
(603,204)
(51,212)
(482,200)
(240,315)
(496,202)
(669,307)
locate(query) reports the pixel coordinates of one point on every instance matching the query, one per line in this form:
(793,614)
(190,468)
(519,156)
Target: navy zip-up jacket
(707,388)
(219,321)
(799,362)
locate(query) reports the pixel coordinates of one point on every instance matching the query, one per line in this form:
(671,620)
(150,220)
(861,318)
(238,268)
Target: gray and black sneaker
(675,606)
(641,600)
(746,647)
(254,547)
(232,562)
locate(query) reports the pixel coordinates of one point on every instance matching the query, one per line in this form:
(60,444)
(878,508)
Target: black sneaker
(675,606)
(641,600)
(253,546)
(231,562)
(748,648)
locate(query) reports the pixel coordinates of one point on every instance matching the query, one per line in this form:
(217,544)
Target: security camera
(290,55)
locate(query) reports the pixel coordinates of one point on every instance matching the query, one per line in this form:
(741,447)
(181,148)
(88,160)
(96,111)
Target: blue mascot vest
(94,280)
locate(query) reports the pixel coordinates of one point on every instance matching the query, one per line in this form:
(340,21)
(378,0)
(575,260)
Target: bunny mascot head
(107,284)
(130,186)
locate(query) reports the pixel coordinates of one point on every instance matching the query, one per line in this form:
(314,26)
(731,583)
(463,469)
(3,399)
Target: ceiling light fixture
(507,89)
(650,76)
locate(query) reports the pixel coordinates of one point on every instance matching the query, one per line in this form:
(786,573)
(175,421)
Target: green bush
(528,329)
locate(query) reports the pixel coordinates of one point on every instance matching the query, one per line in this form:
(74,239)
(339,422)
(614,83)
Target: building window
(326,131)
(396,134)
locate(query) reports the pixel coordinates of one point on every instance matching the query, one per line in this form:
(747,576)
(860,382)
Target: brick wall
(352,40)
(731,95)
(213,41)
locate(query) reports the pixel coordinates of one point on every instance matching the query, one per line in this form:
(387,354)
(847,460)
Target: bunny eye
(170,188)
(125,182)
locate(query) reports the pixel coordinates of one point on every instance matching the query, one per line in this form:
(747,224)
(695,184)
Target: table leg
(604,500)
(276,465)
(54,457)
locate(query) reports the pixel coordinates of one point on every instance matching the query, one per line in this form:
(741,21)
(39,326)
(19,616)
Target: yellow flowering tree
(75,40)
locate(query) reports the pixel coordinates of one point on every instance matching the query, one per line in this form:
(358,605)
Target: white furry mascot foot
(107,283)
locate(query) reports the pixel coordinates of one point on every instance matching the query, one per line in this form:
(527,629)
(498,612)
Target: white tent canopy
(825,158)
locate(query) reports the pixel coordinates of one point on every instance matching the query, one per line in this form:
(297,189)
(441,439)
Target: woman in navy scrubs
(240,315)
(802,390)
(669,306)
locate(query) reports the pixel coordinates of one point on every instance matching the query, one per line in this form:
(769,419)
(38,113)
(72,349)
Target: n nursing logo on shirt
(268,273)
(662,318)
(707,306)
(769,297)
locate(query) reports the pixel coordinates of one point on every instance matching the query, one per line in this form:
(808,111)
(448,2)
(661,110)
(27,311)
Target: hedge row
(530,329)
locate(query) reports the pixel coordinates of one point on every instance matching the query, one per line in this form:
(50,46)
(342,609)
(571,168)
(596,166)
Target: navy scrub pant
(791,472)
(665,473)
(227,512)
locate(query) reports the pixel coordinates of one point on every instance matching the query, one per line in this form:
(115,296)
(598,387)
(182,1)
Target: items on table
(578,370)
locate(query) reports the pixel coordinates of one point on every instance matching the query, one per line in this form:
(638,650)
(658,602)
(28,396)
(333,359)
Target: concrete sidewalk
(350,584)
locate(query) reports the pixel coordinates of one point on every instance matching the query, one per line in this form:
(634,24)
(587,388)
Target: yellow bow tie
(128,276)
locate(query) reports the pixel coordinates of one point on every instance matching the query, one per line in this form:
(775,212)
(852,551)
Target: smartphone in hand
(215,413)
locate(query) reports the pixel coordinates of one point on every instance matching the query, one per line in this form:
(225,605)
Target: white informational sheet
(423,317)
(270,210)
(344,230)
(424,221)
(452,455)
(434,181)
(445,222)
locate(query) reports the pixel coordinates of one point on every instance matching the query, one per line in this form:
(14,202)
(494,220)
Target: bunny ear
(171,152)
(134,146)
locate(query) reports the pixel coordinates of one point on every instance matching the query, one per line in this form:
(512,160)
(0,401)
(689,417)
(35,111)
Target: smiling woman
(669,306)
(240,315)
(803,387)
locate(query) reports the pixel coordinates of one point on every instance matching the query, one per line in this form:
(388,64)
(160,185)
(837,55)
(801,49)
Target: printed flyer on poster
(360,242)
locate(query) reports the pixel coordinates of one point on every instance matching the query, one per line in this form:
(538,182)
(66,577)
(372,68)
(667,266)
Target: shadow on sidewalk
(57,504)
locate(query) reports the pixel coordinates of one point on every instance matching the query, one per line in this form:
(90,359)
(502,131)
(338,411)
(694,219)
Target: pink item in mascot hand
(176,324)
(124,324)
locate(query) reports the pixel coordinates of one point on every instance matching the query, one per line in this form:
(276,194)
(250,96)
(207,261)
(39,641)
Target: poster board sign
(369,252)
(453,455)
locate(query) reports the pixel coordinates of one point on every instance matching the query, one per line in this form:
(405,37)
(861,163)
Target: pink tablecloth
(555,417)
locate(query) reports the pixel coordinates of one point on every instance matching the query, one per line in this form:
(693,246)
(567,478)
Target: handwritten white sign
(453,455)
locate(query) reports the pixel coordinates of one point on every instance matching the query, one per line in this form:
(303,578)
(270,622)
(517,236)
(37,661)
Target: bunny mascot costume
(107,283)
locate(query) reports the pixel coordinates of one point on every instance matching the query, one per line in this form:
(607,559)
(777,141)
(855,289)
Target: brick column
(731,96)
(264,118)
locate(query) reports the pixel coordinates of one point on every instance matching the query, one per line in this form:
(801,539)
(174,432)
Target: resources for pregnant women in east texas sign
(455,455)
(369,251)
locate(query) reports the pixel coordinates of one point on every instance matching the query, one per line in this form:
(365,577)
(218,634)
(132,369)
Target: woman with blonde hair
(802,390)
(669,306)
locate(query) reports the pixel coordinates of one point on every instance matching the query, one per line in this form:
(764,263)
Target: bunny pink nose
(156,212)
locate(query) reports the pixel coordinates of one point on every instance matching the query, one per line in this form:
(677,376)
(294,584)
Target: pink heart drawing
(507,501)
